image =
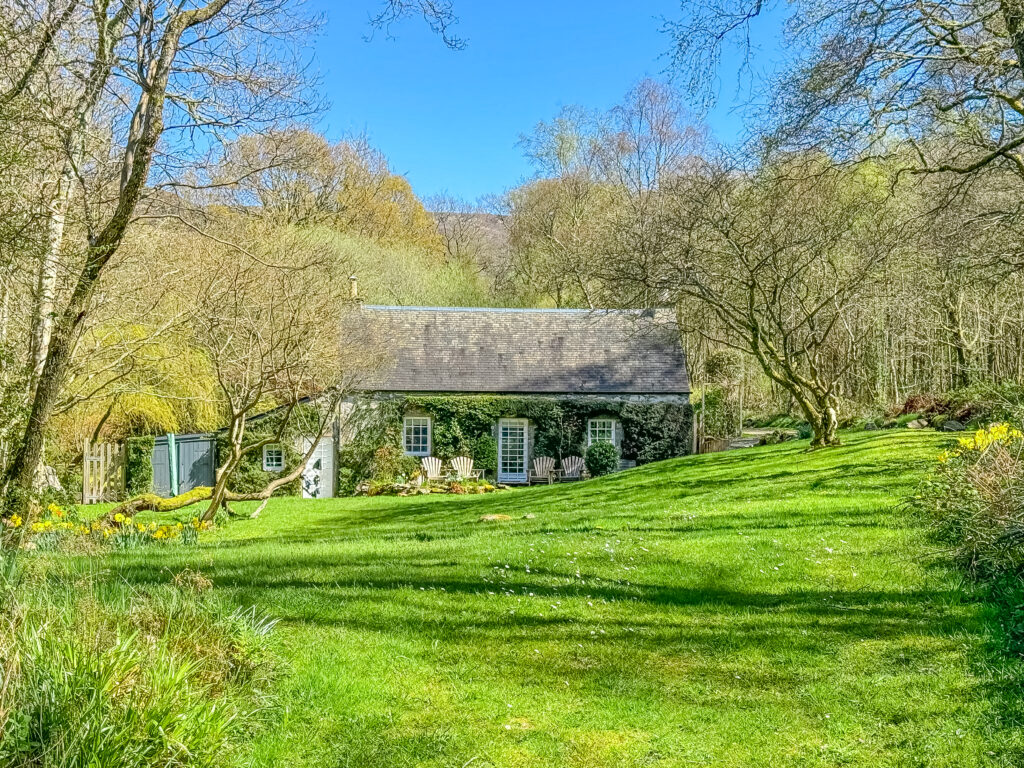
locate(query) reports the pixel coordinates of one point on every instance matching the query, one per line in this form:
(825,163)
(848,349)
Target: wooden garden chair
(543,470)
(432,469)
(572,468)
(463,466)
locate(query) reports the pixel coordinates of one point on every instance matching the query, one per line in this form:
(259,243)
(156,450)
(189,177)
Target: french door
(512,451)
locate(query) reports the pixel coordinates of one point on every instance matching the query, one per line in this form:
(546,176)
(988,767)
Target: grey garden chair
(572,468)
(543,470)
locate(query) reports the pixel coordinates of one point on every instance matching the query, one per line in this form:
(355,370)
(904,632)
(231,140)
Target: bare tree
(780,259)
(283,338)
(122,91)
(941,78)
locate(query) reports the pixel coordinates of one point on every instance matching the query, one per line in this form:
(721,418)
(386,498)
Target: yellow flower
(106,532)
(14,521)
(56,511)
(141,527)
(118,518)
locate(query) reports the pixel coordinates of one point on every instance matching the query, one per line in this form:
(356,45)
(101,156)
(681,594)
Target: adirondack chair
(432,469)
(572,468)
(463,466)
(543,470)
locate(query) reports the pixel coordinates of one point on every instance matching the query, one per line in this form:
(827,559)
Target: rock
(917,424)
(529,516)
(494,518)
(953,426)
(871,426)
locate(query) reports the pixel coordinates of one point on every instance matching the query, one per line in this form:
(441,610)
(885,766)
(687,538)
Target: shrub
(138,465)
(975,499)
(602,459)
(484,451)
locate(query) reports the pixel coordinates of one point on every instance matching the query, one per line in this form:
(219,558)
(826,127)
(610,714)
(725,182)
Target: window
(600,431)
(273,458)
(417,436)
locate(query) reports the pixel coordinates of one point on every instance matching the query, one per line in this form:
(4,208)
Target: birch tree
(128,100)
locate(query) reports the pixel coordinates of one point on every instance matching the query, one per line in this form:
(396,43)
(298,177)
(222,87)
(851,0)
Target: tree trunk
(825,428)
(46,286)
(18,481)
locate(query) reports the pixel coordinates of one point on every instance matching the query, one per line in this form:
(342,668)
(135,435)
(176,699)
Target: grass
(764,607)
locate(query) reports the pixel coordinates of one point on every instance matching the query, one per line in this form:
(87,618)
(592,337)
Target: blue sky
(450,120)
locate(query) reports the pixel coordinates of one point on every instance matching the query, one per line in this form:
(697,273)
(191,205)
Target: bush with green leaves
(602,459)
(975,500)
(138,465)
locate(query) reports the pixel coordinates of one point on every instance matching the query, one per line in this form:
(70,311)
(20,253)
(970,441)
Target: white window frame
(597,425)
(271,465)
(409,446)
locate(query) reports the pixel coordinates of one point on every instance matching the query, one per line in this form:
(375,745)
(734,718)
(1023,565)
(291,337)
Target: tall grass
(94,677)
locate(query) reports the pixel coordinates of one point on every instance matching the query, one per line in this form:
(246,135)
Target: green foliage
(602,459)
(484,452)
(975,500)
(463,425)
(721,414)
(138,465)
(170,680)
(370,453)
(250,477)
(702,538)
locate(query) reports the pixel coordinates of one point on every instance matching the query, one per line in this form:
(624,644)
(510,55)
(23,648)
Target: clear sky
(450,120)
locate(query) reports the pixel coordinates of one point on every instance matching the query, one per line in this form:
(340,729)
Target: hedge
(138,465)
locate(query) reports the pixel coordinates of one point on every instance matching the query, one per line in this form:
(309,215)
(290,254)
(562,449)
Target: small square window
(273,458)
(416,436)
(600,431)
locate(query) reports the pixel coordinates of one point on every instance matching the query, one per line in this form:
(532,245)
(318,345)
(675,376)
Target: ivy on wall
(250,477)
(463,425)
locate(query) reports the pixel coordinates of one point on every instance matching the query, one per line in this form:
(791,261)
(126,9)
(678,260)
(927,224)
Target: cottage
(507,385)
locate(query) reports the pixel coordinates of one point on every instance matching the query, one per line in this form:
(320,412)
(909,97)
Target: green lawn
(765,607)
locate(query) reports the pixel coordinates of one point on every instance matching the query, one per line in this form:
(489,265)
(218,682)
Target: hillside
(761,607)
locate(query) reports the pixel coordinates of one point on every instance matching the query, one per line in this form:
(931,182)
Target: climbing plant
(464,425)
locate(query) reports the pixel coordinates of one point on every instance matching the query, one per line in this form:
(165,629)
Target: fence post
(85,472)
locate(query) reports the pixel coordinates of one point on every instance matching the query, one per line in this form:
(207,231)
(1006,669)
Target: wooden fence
(102,472)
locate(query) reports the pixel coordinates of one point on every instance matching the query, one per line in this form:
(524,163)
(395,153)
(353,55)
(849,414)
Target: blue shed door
(161,468)
(196,464)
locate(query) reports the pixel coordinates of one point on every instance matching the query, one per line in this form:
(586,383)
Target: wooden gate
(102,472)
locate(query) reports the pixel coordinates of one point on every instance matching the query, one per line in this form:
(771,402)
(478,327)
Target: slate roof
(528,351)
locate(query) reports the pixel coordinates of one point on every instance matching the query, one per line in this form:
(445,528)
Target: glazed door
(512,451)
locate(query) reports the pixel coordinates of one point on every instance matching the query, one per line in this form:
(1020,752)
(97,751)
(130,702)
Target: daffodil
(14,521)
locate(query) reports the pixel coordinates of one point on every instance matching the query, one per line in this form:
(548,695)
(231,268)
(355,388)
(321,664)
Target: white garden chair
(432,469)
(572,468)
(463,466)
(543,470)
